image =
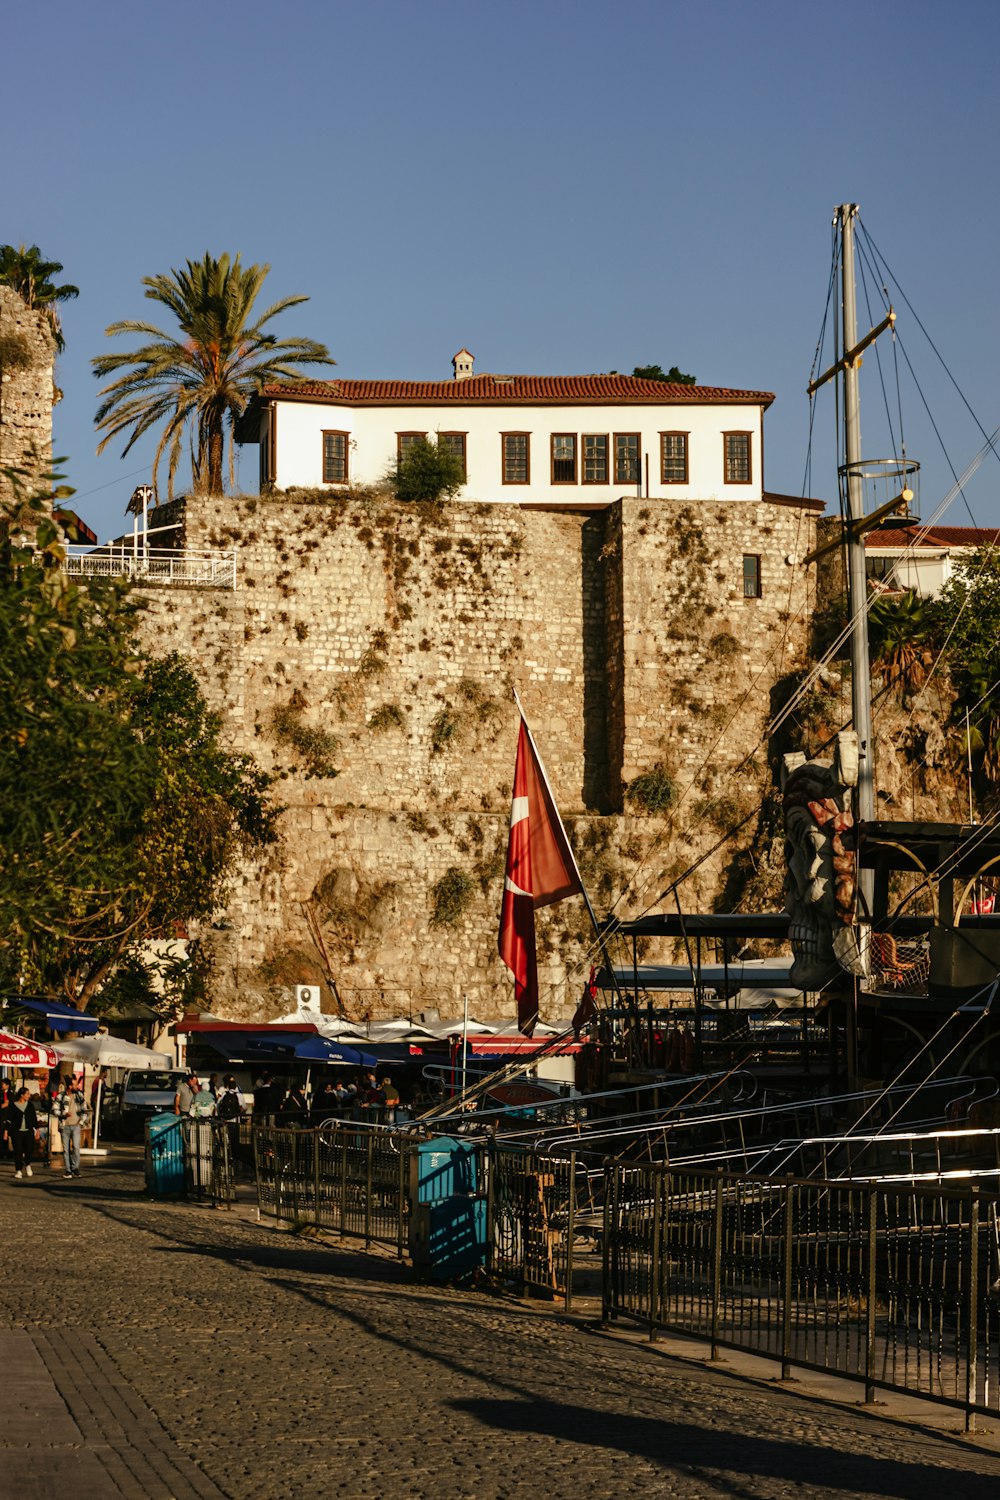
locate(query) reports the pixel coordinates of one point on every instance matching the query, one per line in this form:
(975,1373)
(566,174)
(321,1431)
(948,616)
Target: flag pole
(598,932)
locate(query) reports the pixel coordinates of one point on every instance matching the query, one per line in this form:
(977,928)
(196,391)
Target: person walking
(71,1110)
(22,1127)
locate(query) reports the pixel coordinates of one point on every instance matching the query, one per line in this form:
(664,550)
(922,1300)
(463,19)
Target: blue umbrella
(322,1049)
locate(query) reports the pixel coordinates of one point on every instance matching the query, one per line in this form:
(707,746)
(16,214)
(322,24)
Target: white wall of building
(300,424)
(925,572)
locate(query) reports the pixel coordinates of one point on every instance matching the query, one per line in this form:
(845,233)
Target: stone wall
(383,643)
(27,351)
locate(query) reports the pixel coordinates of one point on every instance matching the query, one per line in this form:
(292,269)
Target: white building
(569,439)
(922,558)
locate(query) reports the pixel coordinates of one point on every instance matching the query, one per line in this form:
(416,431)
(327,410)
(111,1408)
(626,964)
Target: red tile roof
(934,536)
(512,390)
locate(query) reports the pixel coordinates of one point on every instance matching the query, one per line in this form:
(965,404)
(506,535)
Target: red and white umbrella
(18,1052)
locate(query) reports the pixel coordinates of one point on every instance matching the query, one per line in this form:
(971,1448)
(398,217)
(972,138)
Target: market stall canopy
(56,1015)
(18,1052)
(299,1045)
(110,1052)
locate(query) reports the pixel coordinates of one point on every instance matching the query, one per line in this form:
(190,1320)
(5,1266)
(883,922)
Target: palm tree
(23,269)
(204,376)
(902,637)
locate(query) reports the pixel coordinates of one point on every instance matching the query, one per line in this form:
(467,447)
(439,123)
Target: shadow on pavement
(682,1445)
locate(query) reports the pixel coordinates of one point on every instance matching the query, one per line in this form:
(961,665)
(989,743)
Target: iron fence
(350,1179)
(209,1160)
(537,1205)
(890,1284)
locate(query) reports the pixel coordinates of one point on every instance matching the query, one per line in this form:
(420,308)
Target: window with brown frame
(673,458)
(515,448)
(406,440)
(564,458)
(751,576)
(736,457)
(627,468)
(455,443)
(335,451)
(595,458)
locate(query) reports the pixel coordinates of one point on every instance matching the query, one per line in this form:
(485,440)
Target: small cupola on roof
(463,364)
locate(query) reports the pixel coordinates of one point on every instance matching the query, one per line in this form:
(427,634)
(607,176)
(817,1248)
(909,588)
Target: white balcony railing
(152,565)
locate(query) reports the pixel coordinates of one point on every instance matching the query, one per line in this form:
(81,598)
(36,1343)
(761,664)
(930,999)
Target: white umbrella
(103,1051)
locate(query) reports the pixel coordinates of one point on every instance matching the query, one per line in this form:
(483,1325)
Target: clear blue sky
(563,186)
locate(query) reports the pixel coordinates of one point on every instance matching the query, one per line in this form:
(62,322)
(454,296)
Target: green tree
(967,629)
(121,814)
(655,372)
(427,471)
(199,379)
(23,269)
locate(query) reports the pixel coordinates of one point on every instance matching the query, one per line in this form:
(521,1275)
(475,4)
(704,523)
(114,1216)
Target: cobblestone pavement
(168,1350)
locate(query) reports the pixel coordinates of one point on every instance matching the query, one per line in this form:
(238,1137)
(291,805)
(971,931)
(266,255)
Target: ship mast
(853,473)
(857,585)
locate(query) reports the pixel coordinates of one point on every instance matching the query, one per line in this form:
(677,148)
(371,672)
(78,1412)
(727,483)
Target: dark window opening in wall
(736,450)
(673,458)
(265,458)
(751,576)
(335,457)
(595,458)
(455,443)
(627,470)
(564,458)
(516,457)
(406,440)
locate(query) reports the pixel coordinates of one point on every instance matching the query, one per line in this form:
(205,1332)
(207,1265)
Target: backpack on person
(229,1106)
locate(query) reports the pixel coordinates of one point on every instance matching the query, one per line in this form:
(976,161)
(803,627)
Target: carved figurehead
(820,860)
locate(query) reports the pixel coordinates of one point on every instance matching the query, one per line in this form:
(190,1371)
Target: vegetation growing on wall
(476,709)
(387,716)
(451,896)
(313,746)
(652,792)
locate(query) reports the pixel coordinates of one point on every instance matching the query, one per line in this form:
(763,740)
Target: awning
(284,1046)
(56,1015)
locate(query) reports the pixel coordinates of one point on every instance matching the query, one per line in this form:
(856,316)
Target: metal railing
(538,1208)
(348,1178)
(889,1284)
(209,1160)
(154,565)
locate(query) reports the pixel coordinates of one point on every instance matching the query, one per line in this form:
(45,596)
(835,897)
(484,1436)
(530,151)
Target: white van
(139,1096)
